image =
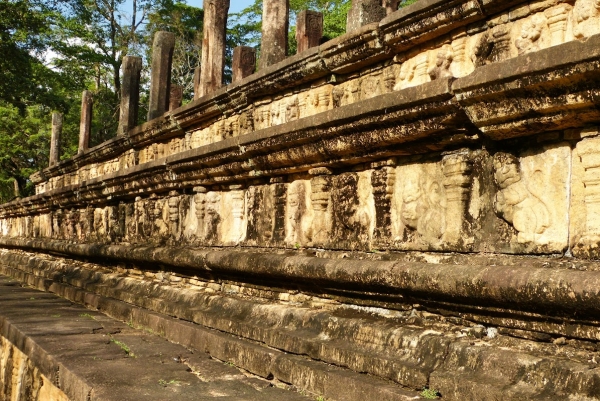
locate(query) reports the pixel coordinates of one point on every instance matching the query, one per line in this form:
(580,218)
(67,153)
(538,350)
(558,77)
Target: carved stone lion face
(506,170)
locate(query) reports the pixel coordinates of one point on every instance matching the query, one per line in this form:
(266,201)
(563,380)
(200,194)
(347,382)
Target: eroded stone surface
(411,347)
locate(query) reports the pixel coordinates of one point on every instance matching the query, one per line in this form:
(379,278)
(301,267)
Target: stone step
(463,386)
(314,377)
(546,373)
(81,355)
(413,356)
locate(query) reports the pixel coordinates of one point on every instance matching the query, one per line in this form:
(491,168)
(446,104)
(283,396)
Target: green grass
(124,347)
(88,316)
(430,394)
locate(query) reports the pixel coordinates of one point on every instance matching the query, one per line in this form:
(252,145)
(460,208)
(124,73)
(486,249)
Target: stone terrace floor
(118,362)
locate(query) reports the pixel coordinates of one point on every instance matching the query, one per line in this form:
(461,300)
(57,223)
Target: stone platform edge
(557,301)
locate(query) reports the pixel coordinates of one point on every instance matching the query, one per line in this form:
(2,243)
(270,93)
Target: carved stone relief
(57,224)
(174,218)
(303,104)
(414,71)
(443,61)
(217,131)
(86,223)
(347,93)
(421,204)
(321,99)
(266,214)
(233,215)
(130,222)
(532,196)
(370,86)
(212,217)
(388,78)
(531,31)
(320,228)
(492,46)
(260,215)
(429,202)
(72,219)
(292,108)
(461,64)
(457,168)
(585,200)
(278,112)
(200,209)
(421,69)
(557,22)
(298,214)
(279,189)
(115,216)
(159,216)
(100,224)
(383,181)
(585,18)
(262,117)
(246,123)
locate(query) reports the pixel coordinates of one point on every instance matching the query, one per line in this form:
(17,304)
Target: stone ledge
(152,361)
(349,134)
(434,354)
(91,358)
(524,296)
(553,89)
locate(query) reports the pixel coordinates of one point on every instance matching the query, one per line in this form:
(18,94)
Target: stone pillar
(320,185)
(590,159)
(244,62)
(197,72)
(383,181)
(176,97)
(200,205)
(213,46)
(16,188)
(309,29)
(86,122)
(238,211)
(457,169)
(57,124)
(275,23)
(160,82)
(130,94)
(363,12)
(390,5)
(173,203)
(557,22)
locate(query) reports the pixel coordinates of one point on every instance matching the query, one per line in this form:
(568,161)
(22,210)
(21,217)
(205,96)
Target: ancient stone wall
(447,126)
(364,203)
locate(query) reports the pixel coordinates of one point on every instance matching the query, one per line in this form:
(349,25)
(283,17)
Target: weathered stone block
(309,29)
(364,12)
(160,83)
(275,22)
(244,62)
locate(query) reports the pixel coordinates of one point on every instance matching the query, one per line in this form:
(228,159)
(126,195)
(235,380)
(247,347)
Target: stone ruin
(417,200)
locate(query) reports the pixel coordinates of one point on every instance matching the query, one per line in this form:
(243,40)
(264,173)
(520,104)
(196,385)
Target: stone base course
(285,341)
